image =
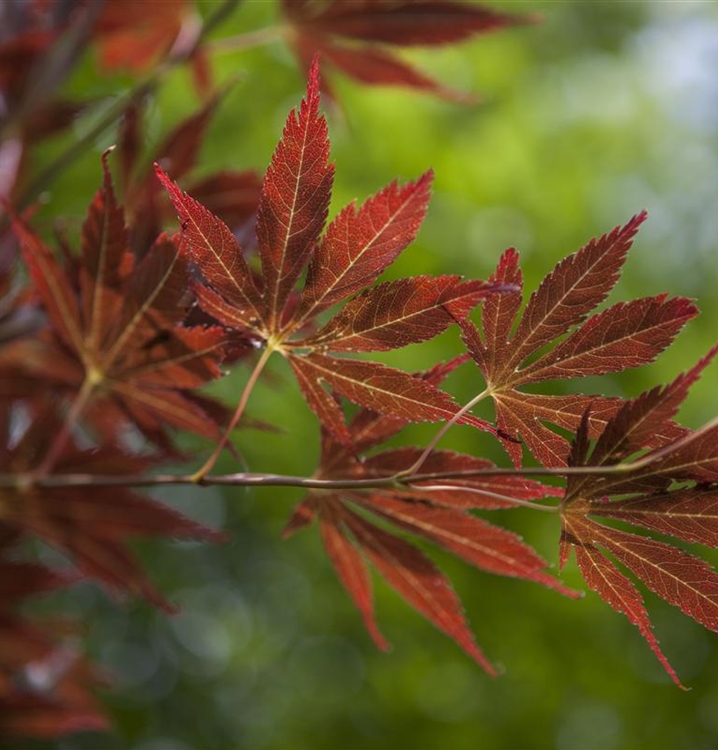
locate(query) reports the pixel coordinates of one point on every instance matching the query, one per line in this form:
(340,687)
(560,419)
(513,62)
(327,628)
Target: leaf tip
(162,176)
(314,83)
(633,224)
(427,179)
(107,175)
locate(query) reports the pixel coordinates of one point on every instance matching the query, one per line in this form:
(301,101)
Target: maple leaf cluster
(110,344)
(42,42)
(556,337)
(127,329)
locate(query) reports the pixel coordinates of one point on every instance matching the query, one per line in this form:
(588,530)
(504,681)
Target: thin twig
(250,479)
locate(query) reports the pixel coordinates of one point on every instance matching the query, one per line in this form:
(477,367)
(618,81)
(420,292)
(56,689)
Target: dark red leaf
(360,244)
(375,387)
(646,499)
(133,34)
(348,35)
(56,293)
(295,200)
(416,579)
(400,22)
(690,514)
(216,251)
(625,335)
(472,539)
(617,591)
(353,574)
(106,263)
(398,313)
(369,428)
(92,526)
(375,67)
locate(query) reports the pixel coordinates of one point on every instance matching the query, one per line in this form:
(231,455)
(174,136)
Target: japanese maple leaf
(38,51)
(356,248)
(45,688)
(135,35)
(91,526)
(232,195)
(436,511)
(117,333)
(357,36)
(554,340)
(19,579)
(649,499)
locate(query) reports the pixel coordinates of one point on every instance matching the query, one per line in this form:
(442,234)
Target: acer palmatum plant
(106,347)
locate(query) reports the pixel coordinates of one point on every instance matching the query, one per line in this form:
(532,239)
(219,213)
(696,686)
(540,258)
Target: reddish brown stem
(200,474)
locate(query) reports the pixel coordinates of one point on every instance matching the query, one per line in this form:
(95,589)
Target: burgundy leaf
(360,243)
(295,200)
(376,387)
(353,574)
(472,539)
(53,287)
(618,592)
(349,34)
(690,514)
(216,251)
(626,335)
(417,580)
(398,313)
(406,22)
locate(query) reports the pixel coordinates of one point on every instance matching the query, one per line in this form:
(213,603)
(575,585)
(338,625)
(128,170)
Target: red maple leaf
(91,527)
(356,248)
(232,195)
(135,35)
(553,340)
(648,497)
(44,685)
(38,51)
(357,36)
(437,512)
(117,333)
(45,688)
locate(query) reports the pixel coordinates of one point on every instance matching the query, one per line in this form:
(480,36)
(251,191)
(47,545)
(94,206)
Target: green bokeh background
(604,109)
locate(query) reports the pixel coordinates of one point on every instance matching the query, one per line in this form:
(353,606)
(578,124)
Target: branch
(252,479)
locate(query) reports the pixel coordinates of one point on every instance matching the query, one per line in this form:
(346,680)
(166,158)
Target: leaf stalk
(414,468)
(63,436)
(199,476)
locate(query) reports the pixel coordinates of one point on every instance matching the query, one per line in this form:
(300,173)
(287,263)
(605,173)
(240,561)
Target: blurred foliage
(604,109)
